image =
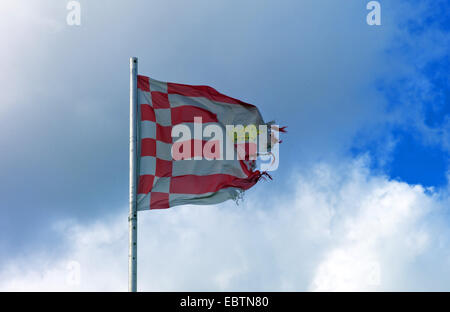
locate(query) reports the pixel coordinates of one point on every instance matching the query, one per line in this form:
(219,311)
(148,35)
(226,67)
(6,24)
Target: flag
(167,180)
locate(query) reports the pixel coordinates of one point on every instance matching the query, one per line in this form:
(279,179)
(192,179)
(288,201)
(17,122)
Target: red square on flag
(163,133)
(159,200)
(148,147)
(143,83)
(163,168)
(160,100)
(147,113)
(145,184)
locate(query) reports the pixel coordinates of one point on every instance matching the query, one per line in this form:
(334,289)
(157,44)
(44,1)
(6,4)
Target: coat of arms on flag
(195,145)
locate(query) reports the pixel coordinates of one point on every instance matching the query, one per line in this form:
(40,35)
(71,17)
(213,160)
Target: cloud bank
(343,228)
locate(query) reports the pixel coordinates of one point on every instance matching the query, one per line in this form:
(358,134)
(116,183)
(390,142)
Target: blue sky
(368,114)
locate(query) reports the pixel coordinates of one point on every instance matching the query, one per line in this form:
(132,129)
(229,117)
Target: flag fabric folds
(166,182)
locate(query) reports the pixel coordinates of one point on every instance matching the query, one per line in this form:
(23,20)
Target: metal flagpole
(132,218)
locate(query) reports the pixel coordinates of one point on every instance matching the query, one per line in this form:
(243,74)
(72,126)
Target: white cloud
(344,229)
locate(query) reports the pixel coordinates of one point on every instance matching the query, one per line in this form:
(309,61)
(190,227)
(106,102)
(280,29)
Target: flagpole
(132,218)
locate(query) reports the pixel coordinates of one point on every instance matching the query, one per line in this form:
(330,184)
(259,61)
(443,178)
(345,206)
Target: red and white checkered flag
(164,180)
